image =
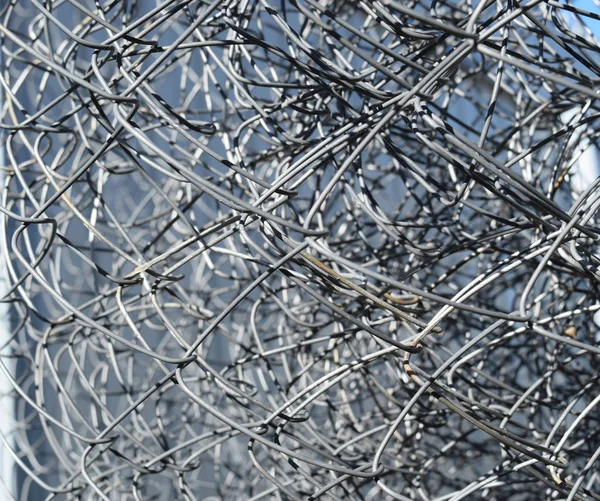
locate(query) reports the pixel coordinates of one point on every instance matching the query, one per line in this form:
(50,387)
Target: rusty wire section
(311,249)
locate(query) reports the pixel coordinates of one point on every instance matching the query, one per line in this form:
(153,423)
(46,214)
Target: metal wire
(307,249)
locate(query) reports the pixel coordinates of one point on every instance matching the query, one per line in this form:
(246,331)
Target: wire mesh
(307,249)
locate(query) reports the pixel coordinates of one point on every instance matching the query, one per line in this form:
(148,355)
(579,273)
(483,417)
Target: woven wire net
(307,249)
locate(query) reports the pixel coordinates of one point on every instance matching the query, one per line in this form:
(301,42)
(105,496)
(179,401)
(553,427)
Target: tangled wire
(306,249)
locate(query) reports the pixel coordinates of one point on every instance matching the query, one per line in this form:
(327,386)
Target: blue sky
(589,5)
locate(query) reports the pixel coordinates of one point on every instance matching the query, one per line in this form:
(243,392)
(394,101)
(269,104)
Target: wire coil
(300,250)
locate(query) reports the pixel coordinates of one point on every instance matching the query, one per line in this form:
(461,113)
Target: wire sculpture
(307,249)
